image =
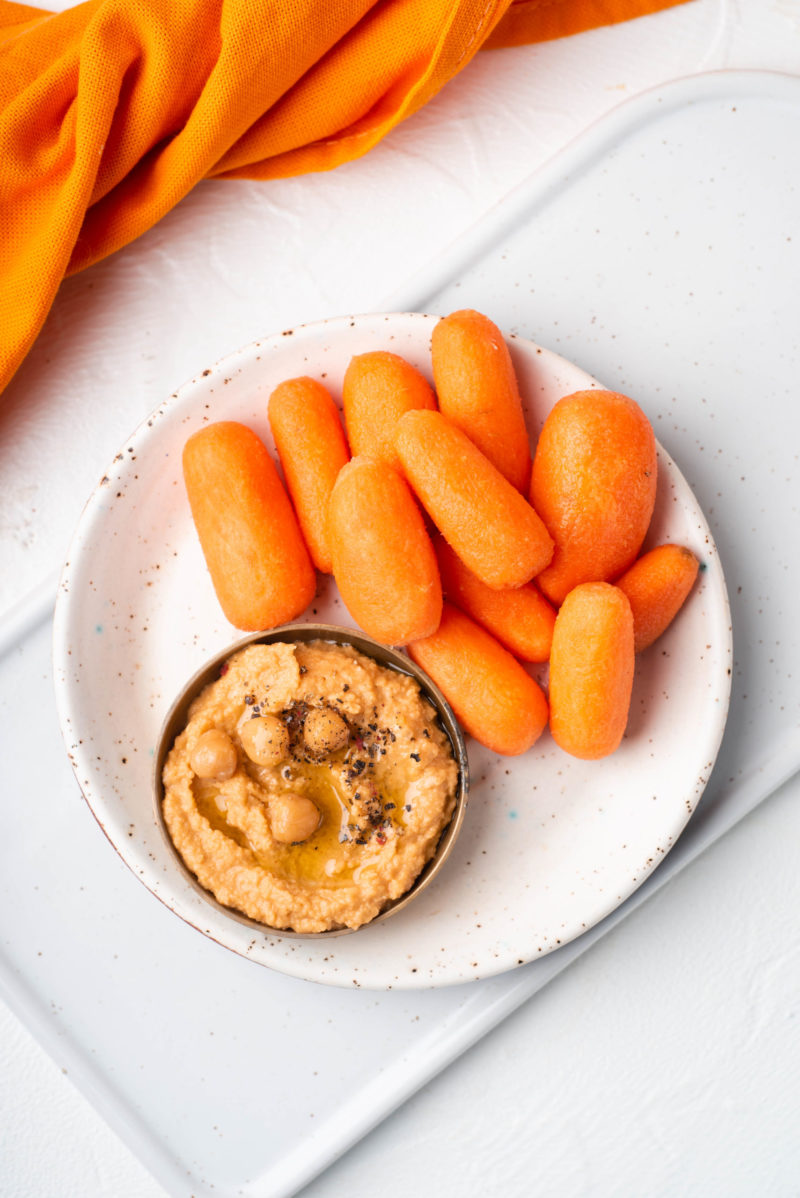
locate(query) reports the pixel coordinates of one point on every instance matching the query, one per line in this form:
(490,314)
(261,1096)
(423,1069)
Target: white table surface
(667,1059)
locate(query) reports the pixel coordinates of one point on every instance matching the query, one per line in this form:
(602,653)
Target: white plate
(550,844)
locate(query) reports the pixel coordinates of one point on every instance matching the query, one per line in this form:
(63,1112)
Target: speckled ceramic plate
(550,844)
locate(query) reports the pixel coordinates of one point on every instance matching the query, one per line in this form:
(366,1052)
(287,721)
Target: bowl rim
(387,656)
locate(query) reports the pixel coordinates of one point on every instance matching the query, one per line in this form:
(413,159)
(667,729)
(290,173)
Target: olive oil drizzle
(357,807)
(206,797)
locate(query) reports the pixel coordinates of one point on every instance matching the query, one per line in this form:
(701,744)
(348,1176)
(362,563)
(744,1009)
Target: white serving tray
(670,233)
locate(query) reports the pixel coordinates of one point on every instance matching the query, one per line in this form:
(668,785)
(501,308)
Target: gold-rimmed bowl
(386,657)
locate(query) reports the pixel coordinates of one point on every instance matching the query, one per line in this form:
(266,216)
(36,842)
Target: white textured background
(666,1060)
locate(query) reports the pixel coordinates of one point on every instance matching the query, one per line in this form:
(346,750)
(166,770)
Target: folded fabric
(110,112)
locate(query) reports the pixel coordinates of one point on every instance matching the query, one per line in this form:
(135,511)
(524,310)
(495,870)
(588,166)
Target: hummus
(310,785)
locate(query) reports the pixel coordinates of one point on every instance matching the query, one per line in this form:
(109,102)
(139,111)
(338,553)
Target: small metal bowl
(391,658)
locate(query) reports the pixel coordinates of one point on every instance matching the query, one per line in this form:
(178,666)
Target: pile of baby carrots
(444,536)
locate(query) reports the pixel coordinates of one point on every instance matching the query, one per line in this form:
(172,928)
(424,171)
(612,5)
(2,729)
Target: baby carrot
(520,618)
(657,585)
(383,559)
(594,485)
(312,448)
(591,670)
(248,532)
(491,527)
(492,695)
(477,389)
(377,389)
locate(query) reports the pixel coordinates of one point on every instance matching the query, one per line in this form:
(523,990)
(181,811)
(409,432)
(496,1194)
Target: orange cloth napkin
(110,112)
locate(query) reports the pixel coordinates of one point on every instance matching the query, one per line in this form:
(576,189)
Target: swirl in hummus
(310,785)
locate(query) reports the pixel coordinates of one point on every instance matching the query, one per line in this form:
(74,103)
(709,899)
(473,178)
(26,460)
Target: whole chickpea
(324,731)
(265,739)
(214,755)
(293,818)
